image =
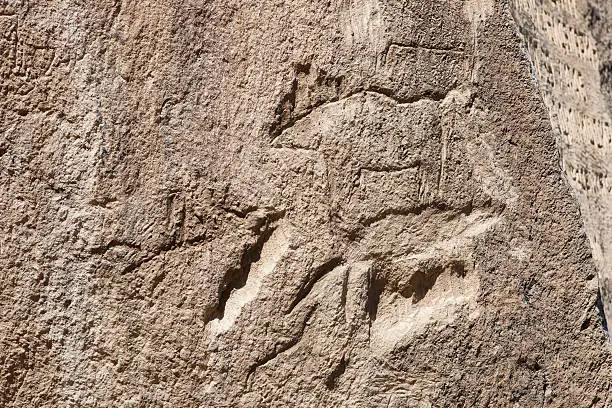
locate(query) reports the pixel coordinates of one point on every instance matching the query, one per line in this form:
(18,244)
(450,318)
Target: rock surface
(314,204)
(570,46)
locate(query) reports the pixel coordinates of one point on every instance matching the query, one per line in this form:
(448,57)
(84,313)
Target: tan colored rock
(265,204)
(570,47)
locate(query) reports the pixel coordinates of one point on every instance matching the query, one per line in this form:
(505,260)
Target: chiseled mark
(315,276)
(491,175)
(372,92)
(362,23)
(443,156)
(399,317)
(357,283)
(461,236)
(439,286)
(420,47)
(478,11)
(458,97)
(271,254)
(317,285)
(456,237)
(391,168)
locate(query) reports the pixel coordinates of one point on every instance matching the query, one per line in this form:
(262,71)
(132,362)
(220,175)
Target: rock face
(314,204)
(571,49)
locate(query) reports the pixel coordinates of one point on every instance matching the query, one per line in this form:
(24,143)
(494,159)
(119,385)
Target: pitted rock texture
(570,45)
(265,204)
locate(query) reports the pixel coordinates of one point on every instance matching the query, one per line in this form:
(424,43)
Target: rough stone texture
(570,44)
(315,204)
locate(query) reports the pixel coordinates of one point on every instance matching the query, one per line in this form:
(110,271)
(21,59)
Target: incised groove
(280,349)
(236,278)
(430,95)
(315,276)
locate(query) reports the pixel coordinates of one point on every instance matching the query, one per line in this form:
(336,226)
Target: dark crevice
(240,213)
(605,74)
(112,244)
(264,222)
(593,16)
(237,278)
(376,286)
(585,324)
(423,281)
(600,312)
(316,275)
(420,283)
(116,11)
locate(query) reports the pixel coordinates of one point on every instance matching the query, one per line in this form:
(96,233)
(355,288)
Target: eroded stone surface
(569,45)
(286,204)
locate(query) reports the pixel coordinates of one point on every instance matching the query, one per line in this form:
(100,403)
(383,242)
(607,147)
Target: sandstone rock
(570,47)
(314,204)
